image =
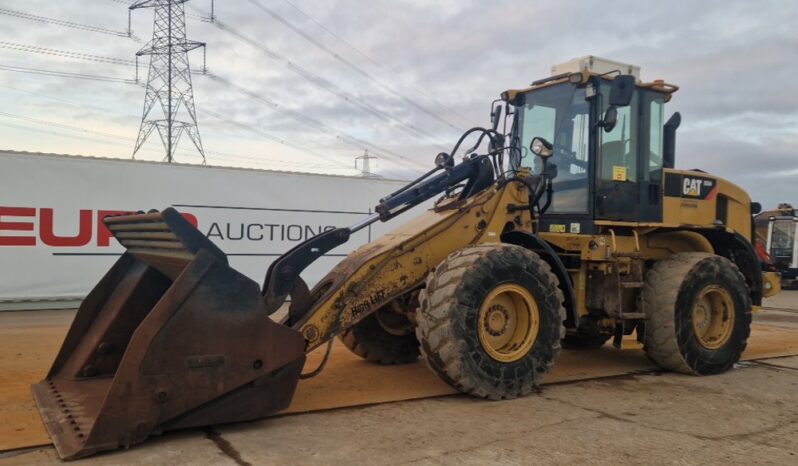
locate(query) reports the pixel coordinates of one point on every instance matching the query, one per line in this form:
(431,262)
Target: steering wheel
(568,156)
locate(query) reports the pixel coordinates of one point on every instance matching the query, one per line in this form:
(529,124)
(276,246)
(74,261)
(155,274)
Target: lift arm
(283,277)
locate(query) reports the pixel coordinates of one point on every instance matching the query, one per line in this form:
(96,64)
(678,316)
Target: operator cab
(607,134)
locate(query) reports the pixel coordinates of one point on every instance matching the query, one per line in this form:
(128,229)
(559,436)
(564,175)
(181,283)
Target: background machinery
(777,230)
(569,225)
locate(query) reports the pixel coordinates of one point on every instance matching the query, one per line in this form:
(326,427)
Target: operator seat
(613,154)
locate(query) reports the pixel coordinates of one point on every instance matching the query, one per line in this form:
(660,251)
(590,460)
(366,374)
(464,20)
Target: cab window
(655,109)
(560,114)
(618,148)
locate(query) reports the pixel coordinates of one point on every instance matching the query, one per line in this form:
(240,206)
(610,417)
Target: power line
(351,140)
(64,23)
(311,122)
(267,135)
(352,66)
(328,86)
(72,136)
(188,15)
(255,130)
(308,121)
(65,74)
(55,133)
(63,126)
(81,105)
(294,166)
(371,60)
(128,140)
(340,166)
(209,112)
(59,134)
(65,53)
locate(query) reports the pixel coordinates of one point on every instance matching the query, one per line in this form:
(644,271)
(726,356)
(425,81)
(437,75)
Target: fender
(547,253)
(745,257)
(739,250)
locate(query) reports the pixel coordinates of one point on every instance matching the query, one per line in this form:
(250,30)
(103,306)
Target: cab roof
(582,78)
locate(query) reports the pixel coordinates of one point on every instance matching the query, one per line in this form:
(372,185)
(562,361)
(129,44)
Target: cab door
(629,167)
(652,117)
(617,181)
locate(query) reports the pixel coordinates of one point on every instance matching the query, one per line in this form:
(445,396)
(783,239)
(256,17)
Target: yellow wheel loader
(569,226)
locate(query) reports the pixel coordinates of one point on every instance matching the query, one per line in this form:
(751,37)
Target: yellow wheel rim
(713,317)
(393,322)
(508,323)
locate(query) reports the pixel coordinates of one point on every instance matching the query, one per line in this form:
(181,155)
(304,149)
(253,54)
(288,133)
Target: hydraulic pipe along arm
(283,277)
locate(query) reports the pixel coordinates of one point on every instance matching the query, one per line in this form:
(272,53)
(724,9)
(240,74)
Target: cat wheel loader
(569,226)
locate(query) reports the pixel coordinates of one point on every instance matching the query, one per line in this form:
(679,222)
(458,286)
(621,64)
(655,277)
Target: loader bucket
(170,338)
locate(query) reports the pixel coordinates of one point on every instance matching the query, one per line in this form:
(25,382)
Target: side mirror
(622,90)
(610,119)
(541,147)
(495,115)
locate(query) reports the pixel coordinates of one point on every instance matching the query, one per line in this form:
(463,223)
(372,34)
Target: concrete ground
(746,416)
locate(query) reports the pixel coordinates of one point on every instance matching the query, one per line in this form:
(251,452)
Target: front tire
(698,312)
(491,320)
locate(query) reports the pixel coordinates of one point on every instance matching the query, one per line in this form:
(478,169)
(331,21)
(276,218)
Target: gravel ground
(746,416)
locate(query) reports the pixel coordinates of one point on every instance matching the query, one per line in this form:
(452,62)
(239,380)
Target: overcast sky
(405,77)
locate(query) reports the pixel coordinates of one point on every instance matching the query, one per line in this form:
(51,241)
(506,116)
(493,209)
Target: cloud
(422,66)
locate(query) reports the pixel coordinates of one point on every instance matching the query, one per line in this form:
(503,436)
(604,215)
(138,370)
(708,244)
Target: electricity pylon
(169,79)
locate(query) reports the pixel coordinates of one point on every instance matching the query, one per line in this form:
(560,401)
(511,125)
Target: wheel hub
(509,321)
(701,316)
(713,317)
(497,320)
(394,322)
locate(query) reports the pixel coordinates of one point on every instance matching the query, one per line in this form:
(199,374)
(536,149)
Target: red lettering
(103,233)
(48,236)
(191,218)
(47,228)
(17,226)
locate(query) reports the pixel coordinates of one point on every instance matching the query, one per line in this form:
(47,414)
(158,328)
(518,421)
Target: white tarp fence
(53,245)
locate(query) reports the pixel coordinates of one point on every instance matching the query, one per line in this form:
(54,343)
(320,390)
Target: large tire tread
(664,283)
(371,342)
(440,300)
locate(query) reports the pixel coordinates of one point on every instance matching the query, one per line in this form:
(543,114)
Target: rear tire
(698,312)
(491,320)
(384,337)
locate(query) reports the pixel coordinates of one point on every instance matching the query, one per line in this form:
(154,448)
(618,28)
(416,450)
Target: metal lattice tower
(365,165)
(169,79)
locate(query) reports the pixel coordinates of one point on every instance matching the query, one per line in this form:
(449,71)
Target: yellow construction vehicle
(567,226)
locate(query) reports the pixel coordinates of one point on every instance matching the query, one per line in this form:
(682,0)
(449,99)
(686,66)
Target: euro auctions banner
(54,246)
